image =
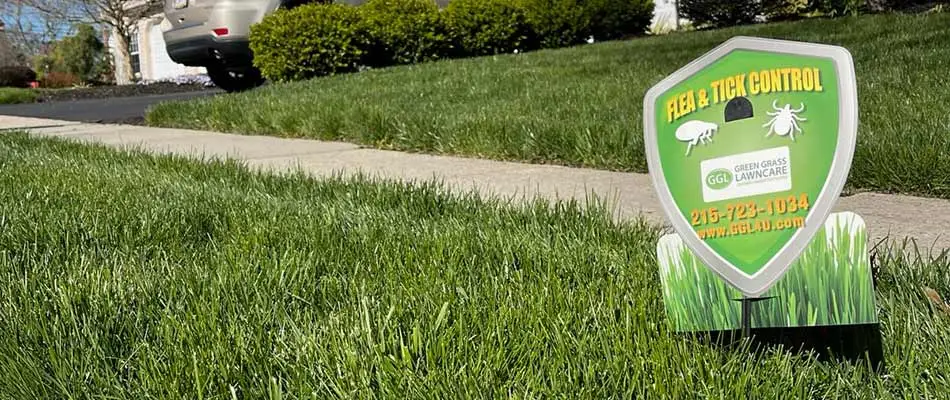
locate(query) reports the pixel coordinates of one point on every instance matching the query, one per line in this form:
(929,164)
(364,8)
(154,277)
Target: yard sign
(749,147)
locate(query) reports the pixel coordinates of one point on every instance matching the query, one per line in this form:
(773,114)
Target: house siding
(146,52)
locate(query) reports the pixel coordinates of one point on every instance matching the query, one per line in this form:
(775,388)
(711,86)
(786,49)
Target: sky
(32,20)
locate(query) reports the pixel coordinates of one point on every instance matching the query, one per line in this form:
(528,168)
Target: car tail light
(220,31)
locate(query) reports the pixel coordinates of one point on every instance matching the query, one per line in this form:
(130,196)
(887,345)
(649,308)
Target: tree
(28,29)
(82,55)
(9,55)
(120,17)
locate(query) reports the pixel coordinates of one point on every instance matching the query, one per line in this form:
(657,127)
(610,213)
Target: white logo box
(753,173)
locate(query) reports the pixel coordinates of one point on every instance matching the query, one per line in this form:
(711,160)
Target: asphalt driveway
(126,110)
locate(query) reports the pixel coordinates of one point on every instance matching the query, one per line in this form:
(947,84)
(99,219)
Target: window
(134,54)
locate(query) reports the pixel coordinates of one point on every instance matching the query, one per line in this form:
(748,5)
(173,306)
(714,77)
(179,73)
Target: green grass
(583,106)
(129,276)
(17,96)
(829,284)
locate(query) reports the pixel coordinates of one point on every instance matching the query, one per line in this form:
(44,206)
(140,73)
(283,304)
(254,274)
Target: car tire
(235,79)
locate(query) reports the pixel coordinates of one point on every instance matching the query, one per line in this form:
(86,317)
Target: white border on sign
(755,285)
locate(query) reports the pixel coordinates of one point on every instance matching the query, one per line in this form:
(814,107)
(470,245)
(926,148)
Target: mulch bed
(102,92)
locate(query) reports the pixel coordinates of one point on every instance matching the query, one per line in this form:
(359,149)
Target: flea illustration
(784,120)
(694,132)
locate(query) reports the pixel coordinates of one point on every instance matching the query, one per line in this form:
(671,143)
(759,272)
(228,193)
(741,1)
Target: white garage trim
(160,64)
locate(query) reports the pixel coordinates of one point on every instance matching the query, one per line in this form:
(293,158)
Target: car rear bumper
(208,50)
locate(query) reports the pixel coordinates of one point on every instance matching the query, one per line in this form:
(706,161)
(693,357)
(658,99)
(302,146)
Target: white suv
(214,34)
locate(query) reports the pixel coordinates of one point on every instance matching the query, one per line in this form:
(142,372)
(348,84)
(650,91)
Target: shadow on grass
(857,344)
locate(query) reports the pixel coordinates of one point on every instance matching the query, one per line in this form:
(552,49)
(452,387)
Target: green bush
(322,39)
(853,7)
(17,95)
(616,19)
(838,7)
(81,55)
(559,23)
(780,10)
(403,32)
(16,76)
(720,13)
(485,27)
(308,41)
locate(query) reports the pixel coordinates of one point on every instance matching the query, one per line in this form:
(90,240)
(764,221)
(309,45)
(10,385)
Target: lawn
(17,95)
(44,95)
(208,281)
(582,106)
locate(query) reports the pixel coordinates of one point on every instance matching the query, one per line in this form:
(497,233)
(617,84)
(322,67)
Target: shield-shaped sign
(749,147)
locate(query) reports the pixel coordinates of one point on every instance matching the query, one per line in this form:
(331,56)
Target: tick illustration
(784,120)
(694,132)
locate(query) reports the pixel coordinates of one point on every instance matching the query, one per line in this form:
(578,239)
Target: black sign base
(853,343)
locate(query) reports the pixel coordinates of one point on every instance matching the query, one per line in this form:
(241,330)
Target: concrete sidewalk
(631,195)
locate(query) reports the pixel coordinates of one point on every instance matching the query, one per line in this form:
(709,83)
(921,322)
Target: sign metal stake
(745,321)
(746,317)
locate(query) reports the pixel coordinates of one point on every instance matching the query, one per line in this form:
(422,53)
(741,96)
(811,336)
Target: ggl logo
(719,178)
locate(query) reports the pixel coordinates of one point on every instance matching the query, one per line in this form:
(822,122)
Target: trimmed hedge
(723,13)
(403,32)
(778,10)
(720,13)
(309,41)
(323,39)
(486,27)
(617,19)
(16,76)
(559,23)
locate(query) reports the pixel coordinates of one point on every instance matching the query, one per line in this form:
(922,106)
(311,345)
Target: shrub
(59,80)
(780,10)
(720,13)
(404,32)
(853,7)
(838,7)
(308,41)
(17,96)
(615,19)
(485,27)
(558,23)
(16,76)
(82,55)
(106,72)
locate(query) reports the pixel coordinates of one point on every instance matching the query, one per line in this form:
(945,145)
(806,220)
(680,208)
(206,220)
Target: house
(150,61)
(664,16)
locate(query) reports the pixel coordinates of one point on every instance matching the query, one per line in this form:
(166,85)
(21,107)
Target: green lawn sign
(829,284)
(749,147)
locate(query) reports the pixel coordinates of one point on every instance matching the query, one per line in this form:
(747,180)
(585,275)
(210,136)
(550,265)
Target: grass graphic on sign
(830,284)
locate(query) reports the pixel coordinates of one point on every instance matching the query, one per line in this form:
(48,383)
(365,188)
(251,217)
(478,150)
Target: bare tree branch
(120,17)
(30,27)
